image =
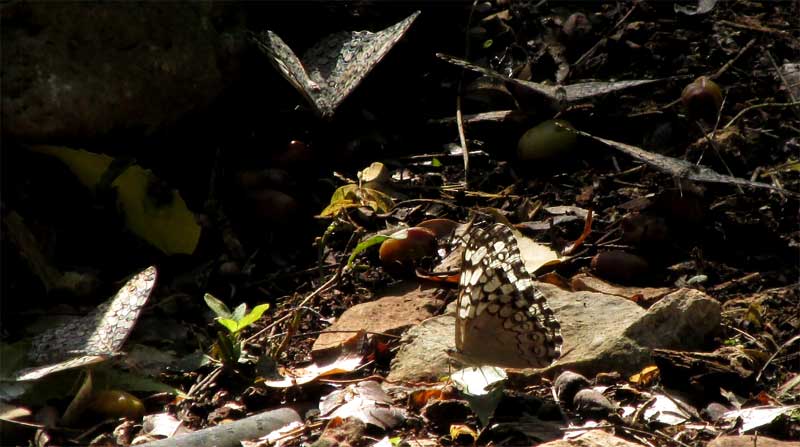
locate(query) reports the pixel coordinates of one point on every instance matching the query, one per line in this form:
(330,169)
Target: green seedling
(230,344)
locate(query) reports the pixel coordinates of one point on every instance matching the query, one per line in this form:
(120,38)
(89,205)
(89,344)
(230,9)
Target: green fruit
(117,404)
(546,141)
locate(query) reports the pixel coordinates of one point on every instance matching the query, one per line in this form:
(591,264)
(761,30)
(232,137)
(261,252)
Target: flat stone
(594,438)
(423,351)
(601,333)
(93,68)
(642,295)
(400,307)
(750,441)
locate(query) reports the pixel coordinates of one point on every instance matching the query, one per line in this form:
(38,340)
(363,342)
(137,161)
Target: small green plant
(731,342)
(229,346)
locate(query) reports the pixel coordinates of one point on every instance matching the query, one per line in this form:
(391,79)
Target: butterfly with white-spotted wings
(502,318)
(93,338)
(330,70)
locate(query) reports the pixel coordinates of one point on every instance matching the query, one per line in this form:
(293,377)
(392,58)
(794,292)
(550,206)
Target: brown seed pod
(568,384)
(576,27)
(702,99)
(117,404)
(643,229)
(407,246)
(619,266)
(274,207)
(590,403)
(441,228)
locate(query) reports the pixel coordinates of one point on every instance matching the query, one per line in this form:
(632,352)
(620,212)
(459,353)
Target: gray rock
(593,438)
(682,319)
(751,440)
(423,352)
(399,307)
(76,70)
(601,333)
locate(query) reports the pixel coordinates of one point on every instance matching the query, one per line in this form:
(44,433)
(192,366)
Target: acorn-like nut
(230,268)
(490,93)
(274,207)
(619,266)
(546,141)
(590,403)
(407,245)
(702,99)
(568,384)
(296,154)
(576,27)
(117,404)
(643,229)
(441,228)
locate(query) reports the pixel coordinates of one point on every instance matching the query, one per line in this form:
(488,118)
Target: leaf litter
(708,244)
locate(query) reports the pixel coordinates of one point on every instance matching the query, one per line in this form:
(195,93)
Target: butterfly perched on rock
(93,338)
(502,319)
(330,70)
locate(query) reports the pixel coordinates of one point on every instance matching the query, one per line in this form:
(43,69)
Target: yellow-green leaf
(165,221)
(363,245)
(231,325)
(349,196)
(254,315)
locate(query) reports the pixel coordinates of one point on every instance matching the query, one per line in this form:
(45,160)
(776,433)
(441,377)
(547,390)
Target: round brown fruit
(407,246)
(702,99)
(619,266)
(441,228)
(576,27)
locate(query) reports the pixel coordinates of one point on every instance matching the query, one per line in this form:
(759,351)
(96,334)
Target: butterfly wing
(331,69)
(99,334)
(289,66)
(37,372)
(503,319)
(339,62)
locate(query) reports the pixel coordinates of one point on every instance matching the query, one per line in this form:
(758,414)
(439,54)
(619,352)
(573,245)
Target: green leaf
(217,306)
(350,196)
(229,348)
(231,325)
(374,240)
(239,312)
(436,163)
(488,43)
(253,316)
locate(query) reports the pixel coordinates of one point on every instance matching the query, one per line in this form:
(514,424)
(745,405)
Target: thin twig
(205,382)
(754,28)
(772,357)
(789,88)
(759,106)
(728,65)
(459,115)
(655,433)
